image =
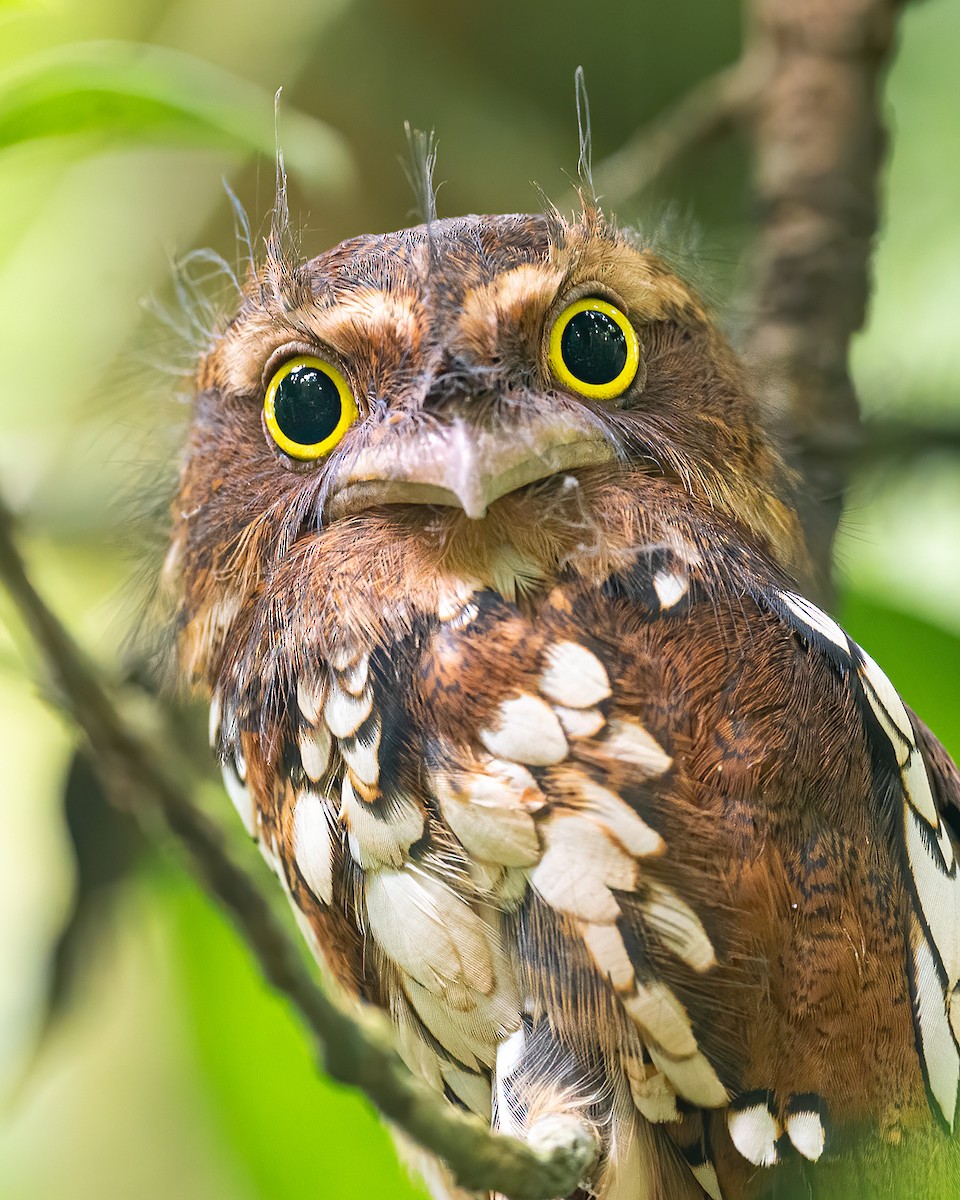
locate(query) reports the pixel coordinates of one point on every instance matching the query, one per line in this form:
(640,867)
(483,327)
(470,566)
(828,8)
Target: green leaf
(921,659)
(296,1133)
(151,94)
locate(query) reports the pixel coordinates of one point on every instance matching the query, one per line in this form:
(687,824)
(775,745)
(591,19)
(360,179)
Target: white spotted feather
(315,746)
(679,927)
(526,731)
(671,587)
(574,676)
(754,1131)
(934,933)
(313,844)
(432,934)
(382,837)
(579,867)
(241,796)
(630,743)
(344,712)
(805,1130)
(489,809)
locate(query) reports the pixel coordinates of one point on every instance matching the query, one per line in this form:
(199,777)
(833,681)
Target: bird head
(489,400)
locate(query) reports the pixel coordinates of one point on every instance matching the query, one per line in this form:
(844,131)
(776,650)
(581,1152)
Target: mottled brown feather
(718,868)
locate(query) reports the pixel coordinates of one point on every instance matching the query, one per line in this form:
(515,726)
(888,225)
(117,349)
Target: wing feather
(910,762)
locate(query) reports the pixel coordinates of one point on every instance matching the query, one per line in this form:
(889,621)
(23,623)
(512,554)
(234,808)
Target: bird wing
(917,786)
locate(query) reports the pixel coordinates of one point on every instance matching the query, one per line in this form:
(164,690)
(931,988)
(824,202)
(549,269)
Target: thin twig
(901,442)
(140,773)
(712,108)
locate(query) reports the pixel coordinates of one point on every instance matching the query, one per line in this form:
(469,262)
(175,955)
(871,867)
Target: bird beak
(464,465)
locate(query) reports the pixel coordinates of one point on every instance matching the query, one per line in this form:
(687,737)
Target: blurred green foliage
(179,1073)
(295,1132)
(152,95)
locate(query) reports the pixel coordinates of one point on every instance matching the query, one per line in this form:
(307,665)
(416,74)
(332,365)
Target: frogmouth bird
(488,566)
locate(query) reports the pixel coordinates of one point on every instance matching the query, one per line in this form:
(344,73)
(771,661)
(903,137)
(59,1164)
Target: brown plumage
(512,687)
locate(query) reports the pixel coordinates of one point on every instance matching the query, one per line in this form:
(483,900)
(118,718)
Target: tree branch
(143,772)
(818,142)
(898,442)
(808,88)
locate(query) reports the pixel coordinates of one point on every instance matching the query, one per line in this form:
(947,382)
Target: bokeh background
(171,1070)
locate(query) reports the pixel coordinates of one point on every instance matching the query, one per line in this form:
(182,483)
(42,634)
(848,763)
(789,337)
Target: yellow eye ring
(308,407)
(593,349)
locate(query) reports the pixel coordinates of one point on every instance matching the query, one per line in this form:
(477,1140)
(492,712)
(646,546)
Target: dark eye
(594,350)
(308,407)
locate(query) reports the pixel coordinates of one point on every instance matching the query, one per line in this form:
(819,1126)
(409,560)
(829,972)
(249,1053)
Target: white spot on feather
(754,1132)
(628,742)
(881,689)
(579,867)
(938,894)
(315,744)
(344,713)
(817,619)
(580,722)
(671,587)
(574,676)
(679,927)
(900,746)
(660,1014)
(630,830)
(379,838)
(694,1078)
(917,786)
(241,796)
(937,1042)
(429,931)
(313,844)
(609,953)
(362,756)
(489,811)
(310,697)
(527,731)
(805,1130)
